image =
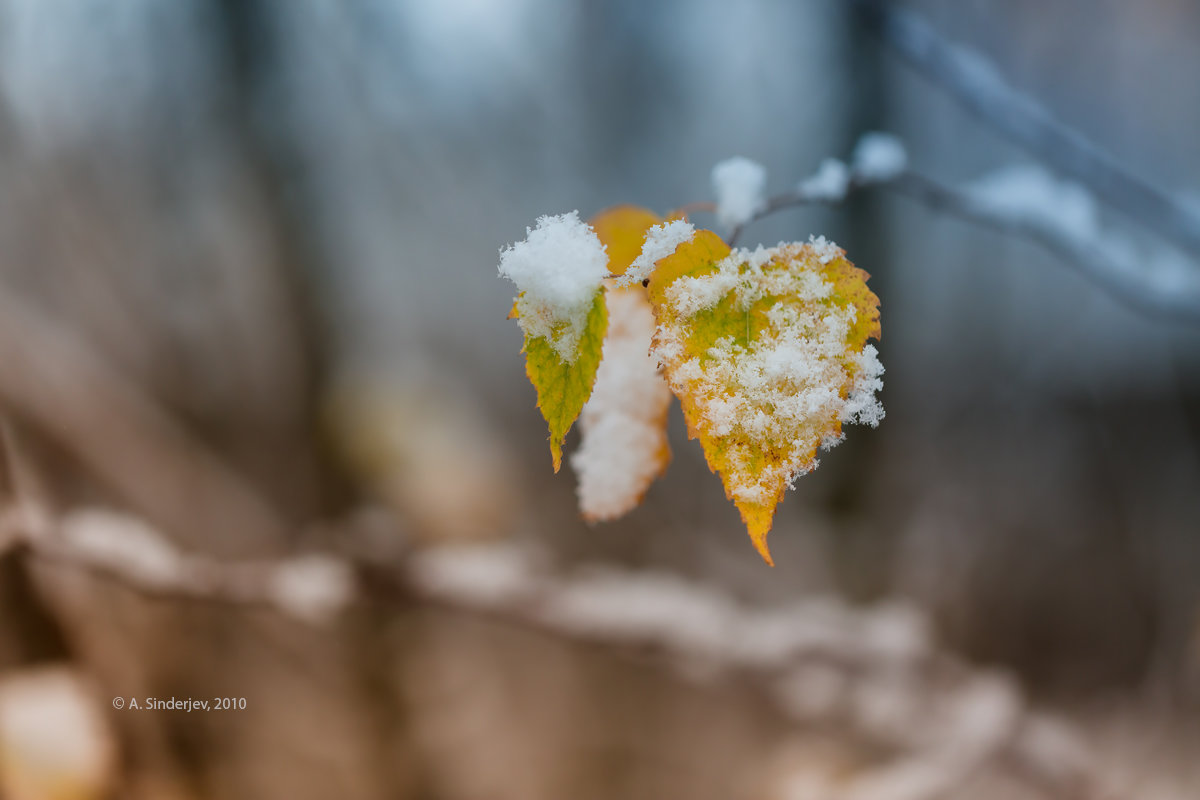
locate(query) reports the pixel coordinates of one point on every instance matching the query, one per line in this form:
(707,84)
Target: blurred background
(248,293)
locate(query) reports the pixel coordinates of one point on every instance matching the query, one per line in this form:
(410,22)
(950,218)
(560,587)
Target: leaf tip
(760,544)
(556,453)
(758,519)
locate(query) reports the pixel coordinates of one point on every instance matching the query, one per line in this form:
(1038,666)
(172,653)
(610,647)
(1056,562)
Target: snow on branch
(740,186)
(1158,281)
(1025,202)
(311,588)
(874,672)
(1152,280)
(980,88)
(879,157)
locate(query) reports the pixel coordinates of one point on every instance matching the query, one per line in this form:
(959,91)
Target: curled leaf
(624,424)
(624,443)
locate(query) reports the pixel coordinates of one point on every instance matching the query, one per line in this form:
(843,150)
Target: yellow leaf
(622,229)
(767,352)
(850,288)
(564,387)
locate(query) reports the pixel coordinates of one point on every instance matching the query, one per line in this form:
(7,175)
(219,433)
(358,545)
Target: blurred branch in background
(980,88)
(1026,204)
(1061,217)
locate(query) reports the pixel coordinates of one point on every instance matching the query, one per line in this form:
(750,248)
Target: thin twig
(1165,294)
(797,197)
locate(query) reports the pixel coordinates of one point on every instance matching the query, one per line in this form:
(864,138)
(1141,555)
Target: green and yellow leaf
(559,269)
(768,353)
(563,387)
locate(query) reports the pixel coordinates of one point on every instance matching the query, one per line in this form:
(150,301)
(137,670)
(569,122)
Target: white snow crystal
(862,406)
(826,250)
(829,182)
(558,269)
(661,241)
(1026,192)
(879,157)
(740,186)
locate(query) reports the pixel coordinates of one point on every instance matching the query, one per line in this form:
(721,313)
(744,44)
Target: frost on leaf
(624,446)
(661,241)
(564,387)
(767,351)
(559,270)
(621,230)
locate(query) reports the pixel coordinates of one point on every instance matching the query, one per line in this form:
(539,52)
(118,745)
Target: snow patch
(661,241)
(825,250)
(558,269)
(740,185)
(1027,193)
(828,183)
(879,157)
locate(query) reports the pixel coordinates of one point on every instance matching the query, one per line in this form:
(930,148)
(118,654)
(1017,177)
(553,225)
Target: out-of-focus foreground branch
(875,672)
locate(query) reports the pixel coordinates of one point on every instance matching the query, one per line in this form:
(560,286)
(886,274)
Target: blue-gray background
(282,219)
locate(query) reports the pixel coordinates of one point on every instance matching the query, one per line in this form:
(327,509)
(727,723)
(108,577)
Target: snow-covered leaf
(563,387)
(767,351)
(560,269)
